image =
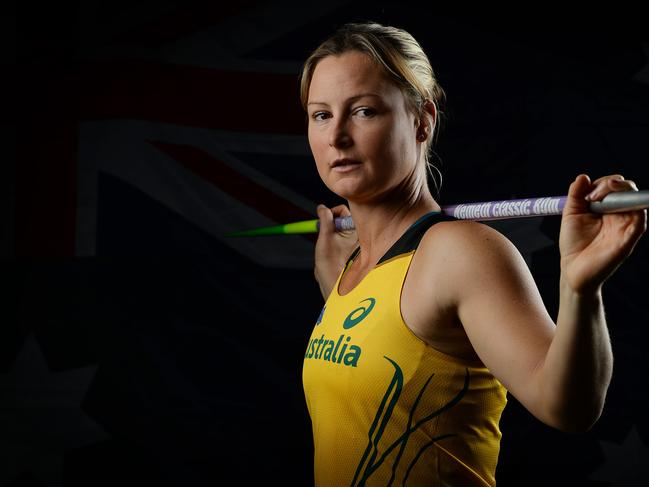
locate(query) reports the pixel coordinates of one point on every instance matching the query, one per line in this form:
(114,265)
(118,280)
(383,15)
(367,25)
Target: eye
(365,112)
(319,116)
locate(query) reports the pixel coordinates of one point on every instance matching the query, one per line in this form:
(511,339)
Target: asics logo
(352,320)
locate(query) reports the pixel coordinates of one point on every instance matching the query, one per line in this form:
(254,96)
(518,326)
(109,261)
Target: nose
(340,136)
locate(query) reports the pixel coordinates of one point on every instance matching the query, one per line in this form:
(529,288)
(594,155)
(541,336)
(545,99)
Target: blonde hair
(402,59)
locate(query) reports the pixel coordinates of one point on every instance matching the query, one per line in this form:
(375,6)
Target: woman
(429,320)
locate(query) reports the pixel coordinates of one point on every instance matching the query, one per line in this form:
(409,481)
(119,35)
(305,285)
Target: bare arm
(559,373)
(579,363)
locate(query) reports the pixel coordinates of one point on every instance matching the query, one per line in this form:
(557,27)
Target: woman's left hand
(593,245)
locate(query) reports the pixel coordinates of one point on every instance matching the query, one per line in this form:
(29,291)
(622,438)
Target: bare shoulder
(478,274)
(467,254)
(464,240)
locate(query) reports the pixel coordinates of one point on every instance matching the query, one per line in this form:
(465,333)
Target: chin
(353,194)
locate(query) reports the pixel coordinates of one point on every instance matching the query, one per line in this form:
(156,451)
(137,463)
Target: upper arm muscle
(498,304)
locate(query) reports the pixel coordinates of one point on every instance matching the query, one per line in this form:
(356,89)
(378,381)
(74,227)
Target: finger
(326,218)
(600,183)
(611,185)
(340,210)
(576,200)
(608,176)
(611,179)
(622,185)
(637,226)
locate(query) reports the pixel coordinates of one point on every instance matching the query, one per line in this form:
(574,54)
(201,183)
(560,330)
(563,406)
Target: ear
(426,124)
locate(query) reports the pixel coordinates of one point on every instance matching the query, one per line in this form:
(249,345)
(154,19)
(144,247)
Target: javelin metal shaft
(616,202)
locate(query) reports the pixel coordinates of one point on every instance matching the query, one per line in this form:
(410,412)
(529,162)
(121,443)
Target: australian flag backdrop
(138,345)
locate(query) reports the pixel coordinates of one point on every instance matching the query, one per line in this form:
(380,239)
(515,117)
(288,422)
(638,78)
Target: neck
(380,224)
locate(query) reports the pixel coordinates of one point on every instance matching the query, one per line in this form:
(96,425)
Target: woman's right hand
(333,248)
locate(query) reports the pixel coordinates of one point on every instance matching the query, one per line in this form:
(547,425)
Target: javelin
(617,202)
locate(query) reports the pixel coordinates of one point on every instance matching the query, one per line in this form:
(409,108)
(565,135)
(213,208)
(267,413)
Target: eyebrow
(349,100)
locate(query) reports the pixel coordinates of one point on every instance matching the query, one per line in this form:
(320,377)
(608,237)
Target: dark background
(139,344)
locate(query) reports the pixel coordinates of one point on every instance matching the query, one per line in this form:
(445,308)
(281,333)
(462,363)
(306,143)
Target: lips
(344,162)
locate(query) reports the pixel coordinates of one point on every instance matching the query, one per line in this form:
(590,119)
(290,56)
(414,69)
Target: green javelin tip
(306,226)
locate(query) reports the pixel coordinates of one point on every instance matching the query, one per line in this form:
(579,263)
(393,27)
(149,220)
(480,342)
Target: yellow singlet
(386,408)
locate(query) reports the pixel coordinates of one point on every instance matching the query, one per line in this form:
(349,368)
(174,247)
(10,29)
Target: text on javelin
(510,208)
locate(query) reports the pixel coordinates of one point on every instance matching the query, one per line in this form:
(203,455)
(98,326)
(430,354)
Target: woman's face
(359,118)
